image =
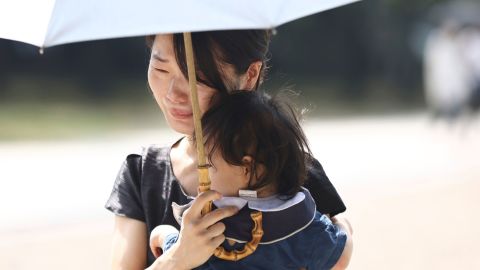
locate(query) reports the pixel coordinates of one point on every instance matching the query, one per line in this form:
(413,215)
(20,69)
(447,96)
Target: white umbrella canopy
(46,23)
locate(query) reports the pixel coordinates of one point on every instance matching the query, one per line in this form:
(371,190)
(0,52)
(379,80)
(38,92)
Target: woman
(147,184)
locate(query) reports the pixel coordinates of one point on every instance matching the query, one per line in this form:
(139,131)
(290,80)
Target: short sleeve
(126,198)
(328,246)
(322,190)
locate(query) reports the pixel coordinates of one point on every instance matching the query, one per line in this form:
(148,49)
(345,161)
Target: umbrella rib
(47,31)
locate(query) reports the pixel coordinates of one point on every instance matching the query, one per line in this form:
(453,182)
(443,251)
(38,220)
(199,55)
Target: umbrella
(46,23)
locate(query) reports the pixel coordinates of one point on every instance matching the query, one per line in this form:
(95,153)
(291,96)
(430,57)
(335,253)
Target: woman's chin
(185,128)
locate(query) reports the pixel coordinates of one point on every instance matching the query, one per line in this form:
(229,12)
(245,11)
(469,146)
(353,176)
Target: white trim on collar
(268,204)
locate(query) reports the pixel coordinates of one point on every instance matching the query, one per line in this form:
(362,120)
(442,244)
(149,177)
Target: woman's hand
(199,235)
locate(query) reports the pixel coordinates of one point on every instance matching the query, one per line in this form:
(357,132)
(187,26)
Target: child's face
(226,178)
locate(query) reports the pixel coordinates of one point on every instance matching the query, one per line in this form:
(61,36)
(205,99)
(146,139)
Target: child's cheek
(213,179)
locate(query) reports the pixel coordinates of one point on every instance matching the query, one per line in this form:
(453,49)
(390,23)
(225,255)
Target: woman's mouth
(180,114)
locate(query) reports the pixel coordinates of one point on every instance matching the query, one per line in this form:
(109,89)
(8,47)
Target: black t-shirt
(145,188)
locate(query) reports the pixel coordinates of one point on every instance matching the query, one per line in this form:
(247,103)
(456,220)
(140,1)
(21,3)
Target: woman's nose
(178,90)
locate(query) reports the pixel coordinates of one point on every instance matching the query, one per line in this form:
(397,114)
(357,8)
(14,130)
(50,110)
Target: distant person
(471,52)
(255,145)
(448,79)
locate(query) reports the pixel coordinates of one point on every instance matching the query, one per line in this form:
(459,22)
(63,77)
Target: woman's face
(171,89)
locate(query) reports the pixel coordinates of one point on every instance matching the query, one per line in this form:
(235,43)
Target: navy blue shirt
(301,237)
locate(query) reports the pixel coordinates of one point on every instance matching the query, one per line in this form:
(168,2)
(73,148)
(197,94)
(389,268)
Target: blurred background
(391,88)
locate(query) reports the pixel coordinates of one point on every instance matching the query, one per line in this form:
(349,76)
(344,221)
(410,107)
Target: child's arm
(345,226)
(158,237)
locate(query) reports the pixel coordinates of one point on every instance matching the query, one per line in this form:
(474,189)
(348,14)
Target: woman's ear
(252,76)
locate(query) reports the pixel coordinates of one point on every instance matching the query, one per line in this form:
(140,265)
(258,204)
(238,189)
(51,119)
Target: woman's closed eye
(161,70)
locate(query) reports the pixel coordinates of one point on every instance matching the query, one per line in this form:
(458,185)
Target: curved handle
(250,247)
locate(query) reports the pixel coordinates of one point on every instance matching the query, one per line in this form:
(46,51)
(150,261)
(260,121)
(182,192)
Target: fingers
(340,219)
(217,241)
(195,210)
(206,230)
(217,215)
(215,230)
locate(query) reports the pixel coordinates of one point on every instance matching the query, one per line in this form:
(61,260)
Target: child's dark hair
(267,129)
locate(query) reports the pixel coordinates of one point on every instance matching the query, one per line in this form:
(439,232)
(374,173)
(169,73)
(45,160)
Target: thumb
(155,247)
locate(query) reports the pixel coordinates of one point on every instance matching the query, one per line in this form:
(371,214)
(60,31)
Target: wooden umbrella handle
(204,180)
(250,247)
(204,185)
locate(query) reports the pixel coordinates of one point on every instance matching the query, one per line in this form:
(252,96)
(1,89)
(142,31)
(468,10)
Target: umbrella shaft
(204,181)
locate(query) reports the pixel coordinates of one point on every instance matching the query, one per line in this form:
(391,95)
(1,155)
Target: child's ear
(247,165)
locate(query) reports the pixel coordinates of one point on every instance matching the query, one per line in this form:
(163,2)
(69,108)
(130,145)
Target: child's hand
(343,221)
(157,236)
(200,236)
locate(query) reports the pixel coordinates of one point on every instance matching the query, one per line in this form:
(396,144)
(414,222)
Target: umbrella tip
(41,50)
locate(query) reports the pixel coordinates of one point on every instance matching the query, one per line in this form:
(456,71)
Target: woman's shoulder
(152,151)
(148,163)
(143,174)
(149,155)
(156,153)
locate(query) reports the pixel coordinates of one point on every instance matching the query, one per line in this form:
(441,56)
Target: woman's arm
(129,245)
(129,248)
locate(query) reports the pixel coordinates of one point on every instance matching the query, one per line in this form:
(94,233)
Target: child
(257,152)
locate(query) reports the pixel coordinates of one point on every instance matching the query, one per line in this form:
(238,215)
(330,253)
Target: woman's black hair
(265,128)
(214,49)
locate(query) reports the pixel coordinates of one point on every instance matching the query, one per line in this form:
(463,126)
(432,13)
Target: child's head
(254,141)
